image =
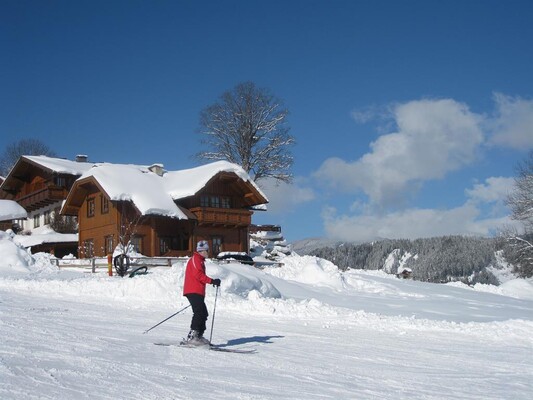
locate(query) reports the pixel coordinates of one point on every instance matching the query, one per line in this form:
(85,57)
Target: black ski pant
(199,310)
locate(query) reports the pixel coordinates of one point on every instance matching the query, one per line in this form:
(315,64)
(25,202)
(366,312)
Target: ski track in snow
(56,348)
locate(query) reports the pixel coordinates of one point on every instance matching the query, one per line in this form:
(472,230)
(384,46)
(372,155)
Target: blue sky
(409,116)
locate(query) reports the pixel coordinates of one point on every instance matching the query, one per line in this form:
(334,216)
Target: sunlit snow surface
(319,333)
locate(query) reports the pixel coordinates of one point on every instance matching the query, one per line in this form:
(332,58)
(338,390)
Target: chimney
(157,169)
(81,158)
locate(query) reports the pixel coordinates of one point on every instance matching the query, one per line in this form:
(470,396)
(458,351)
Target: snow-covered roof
(135,183)
(10,209)
(38,239)
(52,165)
(60,165)
(188,182)
(154,194)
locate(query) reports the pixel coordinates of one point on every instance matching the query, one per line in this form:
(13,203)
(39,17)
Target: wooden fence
(96,263)
(99,263)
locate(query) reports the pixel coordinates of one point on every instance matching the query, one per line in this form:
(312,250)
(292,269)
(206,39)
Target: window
(180,242)
(226,202)
(163,245)
(88,248)
(217,245)
(105,204)
(36,220)
(183,241)
(90,207)
(60,181)
(109,248)
(215,201)
(47,217)
(136,243)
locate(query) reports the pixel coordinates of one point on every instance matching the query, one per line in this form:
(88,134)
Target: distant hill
(438,259)
(307,246)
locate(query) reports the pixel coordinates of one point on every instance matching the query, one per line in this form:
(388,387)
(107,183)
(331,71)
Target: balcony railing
(222,216)
(43,197)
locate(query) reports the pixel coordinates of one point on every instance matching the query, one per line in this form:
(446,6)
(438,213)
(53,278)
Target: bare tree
(247,126)
(520,201)
(24,147)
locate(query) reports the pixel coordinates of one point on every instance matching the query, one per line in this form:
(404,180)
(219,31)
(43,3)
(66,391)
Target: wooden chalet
(40,184)
(163,213)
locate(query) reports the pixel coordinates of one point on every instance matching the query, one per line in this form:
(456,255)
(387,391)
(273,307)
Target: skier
(194,290)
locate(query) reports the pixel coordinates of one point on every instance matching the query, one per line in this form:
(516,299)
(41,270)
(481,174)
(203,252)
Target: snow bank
(309,270)
(15,258)
(517,288)
(305,287)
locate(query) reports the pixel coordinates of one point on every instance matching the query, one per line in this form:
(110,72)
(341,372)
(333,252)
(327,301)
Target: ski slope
(318,334)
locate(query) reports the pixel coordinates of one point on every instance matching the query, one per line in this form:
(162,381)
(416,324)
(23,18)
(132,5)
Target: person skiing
(194,290)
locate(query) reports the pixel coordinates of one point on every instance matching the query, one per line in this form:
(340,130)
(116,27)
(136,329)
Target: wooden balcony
(42,198)
(222,216)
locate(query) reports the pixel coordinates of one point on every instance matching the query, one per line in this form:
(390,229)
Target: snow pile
(269,245)
(240,280)
(15,258)
(517,288)
(267,235)
(309,270)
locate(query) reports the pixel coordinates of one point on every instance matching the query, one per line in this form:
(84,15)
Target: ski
(210,347)
(167,343)
(226,350)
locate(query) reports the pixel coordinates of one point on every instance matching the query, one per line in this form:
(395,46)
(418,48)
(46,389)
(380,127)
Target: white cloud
(411,224)
(468,219)
(434,137)
(495,189)
(366,114)
(285,197)
(431,139)
(513,125)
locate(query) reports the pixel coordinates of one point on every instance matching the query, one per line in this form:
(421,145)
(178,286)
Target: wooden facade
(218,213)
(36,187)
(104,224)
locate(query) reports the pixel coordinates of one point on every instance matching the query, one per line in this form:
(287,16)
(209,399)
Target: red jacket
(195,277)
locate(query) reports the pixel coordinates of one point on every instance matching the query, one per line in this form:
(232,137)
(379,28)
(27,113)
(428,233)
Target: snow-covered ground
(319,334)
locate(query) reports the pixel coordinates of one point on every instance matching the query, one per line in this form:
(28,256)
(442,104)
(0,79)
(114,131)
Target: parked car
(237,256)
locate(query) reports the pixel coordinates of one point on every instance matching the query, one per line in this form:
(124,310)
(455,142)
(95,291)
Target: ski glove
(215,282)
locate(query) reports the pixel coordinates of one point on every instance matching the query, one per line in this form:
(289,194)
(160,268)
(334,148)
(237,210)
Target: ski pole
(166,319)
(213,319)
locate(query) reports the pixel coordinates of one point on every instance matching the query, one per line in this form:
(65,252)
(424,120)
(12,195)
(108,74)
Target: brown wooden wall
(234,239)
(227,226)
(99,226)
(122,214)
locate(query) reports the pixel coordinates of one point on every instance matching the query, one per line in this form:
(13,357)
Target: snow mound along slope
(15,258)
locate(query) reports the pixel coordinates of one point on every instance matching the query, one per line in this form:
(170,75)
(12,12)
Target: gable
(28,168)
(230,184)
(186,183)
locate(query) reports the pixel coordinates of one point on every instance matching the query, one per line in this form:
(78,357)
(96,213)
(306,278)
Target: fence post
(93,264)
(110,264)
